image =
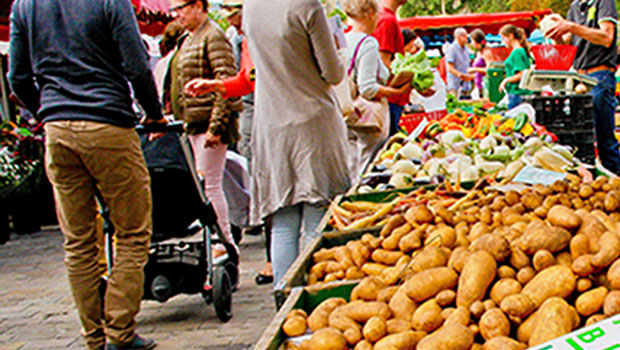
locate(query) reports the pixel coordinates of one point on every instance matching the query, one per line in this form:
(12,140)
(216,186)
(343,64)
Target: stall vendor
(592,27)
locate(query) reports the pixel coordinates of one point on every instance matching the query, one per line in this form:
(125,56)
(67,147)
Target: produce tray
(296,275)
(300,298)
(599,336)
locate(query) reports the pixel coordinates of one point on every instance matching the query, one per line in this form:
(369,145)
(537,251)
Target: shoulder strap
(357,48)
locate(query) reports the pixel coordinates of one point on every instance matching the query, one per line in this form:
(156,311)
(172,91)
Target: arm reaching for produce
(513,79)
(603,36)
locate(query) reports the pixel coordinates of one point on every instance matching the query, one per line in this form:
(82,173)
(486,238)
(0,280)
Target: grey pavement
(37,311)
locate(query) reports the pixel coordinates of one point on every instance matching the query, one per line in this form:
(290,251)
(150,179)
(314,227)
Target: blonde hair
(356,9)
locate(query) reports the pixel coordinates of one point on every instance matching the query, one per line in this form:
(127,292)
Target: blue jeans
(604,120)
(287,224)
(514,100)
(395,112)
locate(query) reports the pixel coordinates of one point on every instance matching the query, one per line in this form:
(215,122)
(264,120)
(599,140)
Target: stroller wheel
(222,293)
(237,233)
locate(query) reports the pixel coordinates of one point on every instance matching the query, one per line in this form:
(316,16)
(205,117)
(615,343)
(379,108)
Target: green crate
(306,299)
(495,76)
(296,276)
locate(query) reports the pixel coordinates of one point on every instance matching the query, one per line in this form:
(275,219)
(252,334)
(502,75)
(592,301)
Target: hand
(155,135)
(405,89)
(198,87)
(428,93)
(560,28)
(502,86)
(468,77)
(211,141)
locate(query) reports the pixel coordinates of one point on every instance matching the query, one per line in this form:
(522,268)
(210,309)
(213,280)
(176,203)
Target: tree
(434,7)
(559,6)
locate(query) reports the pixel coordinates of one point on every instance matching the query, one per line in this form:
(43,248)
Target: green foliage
(423,78)
(433,7)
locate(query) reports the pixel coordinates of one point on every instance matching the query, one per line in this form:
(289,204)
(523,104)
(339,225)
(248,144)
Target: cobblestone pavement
(37,311)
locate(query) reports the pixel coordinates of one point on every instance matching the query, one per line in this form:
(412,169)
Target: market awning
(490,23)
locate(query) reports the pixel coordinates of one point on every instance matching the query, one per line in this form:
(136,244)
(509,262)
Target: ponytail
(517,33)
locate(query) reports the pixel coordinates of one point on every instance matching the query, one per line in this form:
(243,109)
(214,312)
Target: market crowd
(265,88)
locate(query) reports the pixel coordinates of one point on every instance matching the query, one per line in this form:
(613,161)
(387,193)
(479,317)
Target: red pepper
(542,131)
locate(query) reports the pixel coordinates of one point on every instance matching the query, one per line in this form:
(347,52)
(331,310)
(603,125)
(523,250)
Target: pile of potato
(508,271)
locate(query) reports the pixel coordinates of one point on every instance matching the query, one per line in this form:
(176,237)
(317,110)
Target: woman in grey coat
(299,146)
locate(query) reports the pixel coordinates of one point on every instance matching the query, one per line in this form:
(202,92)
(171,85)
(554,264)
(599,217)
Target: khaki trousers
(81,157)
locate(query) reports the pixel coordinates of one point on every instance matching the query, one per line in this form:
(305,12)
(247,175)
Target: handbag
(367,115)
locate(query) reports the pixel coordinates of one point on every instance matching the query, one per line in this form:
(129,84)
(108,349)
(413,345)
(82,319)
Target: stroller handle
(175,126)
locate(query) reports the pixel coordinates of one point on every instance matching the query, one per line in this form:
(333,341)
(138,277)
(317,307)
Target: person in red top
(391,41)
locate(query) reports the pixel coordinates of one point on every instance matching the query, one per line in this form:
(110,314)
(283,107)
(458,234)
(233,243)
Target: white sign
(604,335)
(532,175)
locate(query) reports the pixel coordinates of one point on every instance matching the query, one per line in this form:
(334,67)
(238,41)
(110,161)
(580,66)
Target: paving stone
(37,311)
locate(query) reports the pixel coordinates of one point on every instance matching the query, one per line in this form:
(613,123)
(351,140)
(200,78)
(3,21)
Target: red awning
(490,23)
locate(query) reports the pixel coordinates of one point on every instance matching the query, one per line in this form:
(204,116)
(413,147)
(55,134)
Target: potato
(611,306)
(512,198)
(391,274)
(582,266)
(294,326)
(374,329)
(594,319)
(458,258)
(506,272)
(409,242)
(510,216)
(387,293)
(486,216)
(524,332)
(539,236)
(494,323)
(462,230)
(564,258)
(396,325)
(460,315)
(599,182)
(328,339)
(354,273)
(495,244)
(391,242)
(427,317)
(554,319)
(335,276)
(319,318)
(400,341)
(394,222)
(447,312)
(359,253)
(592,228)
(351,330)
(612,202)
(297,313)
(452,336)
(442,236)
(609,252)
(479,229)
(317,272)
(420,214)
(363,345)
(446,215)
(371,241)
(386,257)
(518,259)
(591,302)
(323,254)
(525,275)
(477,275)
(367,289)
(426,284)
(503,288)
(474,329)
(343,256)
(332,267)
(543,259)
(564,217)
(373,269)
(503,343)
(361,311)
(427,258)
(613,275)
(557,280)
(586,191)
(583,284)
(579,245)
(401,305)
(477,309)
(517,305)
(445,297)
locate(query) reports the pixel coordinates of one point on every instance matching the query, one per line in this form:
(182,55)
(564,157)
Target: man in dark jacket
(71,63)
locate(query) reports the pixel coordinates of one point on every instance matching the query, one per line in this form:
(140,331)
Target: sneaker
(138,343)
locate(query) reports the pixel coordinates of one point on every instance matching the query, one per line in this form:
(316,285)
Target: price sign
(604,335)
(532,175)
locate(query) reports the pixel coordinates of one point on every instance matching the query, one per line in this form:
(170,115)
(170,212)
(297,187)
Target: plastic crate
(571,118)
(411,121)
(564,112)
(554,57)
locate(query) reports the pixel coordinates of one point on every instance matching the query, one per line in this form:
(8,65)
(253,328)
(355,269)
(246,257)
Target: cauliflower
(410,151)
(404,166)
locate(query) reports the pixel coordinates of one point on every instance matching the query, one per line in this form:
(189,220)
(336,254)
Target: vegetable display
(494,270)
(464,147)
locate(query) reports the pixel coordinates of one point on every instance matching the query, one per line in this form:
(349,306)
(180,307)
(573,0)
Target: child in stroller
(184,228)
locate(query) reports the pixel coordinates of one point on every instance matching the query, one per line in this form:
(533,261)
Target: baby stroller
(184,227)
